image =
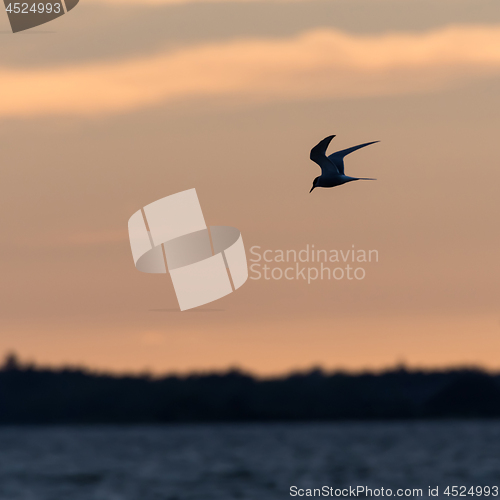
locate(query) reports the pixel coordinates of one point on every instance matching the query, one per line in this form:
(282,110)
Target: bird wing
(337,158)
(318,155)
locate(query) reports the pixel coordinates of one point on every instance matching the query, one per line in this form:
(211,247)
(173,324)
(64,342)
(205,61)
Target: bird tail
(366,179)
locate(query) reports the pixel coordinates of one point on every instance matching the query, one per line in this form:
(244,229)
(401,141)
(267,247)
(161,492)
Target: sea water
(244,461)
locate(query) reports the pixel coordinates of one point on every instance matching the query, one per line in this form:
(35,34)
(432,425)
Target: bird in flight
(332,166)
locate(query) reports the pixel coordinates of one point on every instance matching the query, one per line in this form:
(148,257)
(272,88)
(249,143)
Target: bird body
(332,167)
(328,181)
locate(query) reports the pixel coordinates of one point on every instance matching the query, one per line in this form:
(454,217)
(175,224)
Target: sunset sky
(122,102)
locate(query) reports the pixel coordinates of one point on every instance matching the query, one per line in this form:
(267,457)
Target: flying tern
(332,166)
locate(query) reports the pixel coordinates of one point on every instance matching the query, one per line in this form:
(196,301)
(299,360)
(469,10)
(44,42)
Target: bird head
(315,184)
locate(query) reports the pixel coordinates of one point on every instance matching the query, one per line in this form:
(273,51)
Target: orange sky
(101,115)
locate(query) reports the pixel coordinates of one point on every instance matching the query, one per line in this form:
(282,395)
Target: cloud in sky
(319,64)
(170,2)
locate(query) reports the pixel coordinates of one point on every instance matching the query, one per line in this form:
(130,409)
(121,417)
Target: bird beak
(312,189)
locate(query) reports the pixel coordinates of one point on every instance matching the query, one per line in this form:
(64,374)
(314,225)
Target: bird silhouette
(332,167)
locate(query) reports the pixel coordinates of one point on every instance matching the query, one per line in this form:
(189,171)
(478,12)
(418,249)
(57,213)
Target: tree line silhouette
(35,395)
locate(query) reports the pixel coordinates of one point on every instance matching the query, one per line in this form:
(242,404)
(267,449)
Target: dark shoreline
(31,395)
